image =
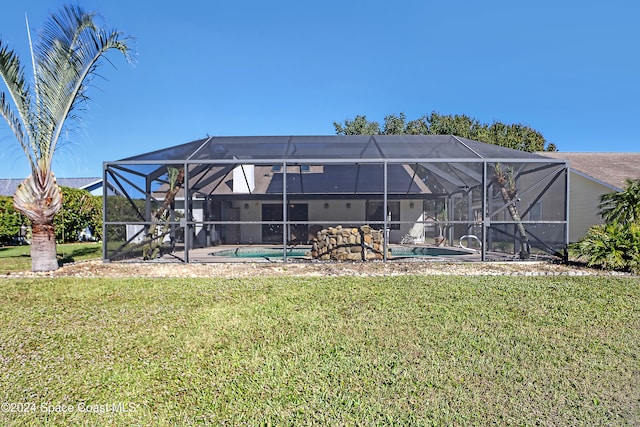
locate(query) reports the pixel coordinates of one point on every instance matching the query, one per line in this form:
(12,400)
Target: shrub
(611,246)
(10,220)
(622,206)
(123,209)
(80,209)
(616,244)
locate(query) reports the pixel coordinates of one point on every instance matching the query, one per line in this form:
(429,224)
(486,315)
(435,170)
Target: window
(535,213)
(292,169)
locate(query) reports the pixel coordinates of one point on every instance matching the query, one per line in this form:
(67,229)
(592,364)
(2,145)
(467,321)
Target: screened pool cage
(216,198)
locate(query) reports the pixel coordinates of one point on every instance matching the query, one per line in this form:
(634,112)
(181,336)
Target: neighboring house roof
(611,169)
(9,186)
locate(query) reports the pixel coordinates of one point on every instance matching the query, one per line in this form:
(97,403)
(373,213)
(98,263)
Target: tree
(80,209)
(459,125)
(358,126)
(395,125)
(516,136)
(159,227)
(65,59)
(509,194)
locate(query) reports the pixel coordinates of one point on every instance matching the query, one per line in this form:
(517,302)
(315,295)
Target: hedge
(80,209)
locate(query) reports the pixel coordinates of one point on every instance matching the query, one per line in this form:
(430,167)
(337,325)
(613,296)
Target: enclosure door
(272,232)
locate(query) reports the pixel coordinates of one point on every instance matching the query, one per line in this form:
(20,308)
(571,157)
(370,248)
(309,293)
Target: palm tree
(509,193)
(64,61)
(622,206)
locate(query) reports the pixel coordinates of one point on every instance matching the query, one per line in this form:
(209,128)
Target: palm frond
(66,57)
(622,206)
(12,74)
(12,120)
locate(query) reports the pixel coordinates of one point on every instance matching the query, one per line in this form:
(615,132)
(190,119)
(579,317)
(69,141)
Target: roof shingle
(610,168)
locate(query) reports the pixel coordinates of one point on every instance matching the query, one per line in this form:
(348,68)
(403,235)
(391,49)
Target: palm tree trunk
(43,248)
(39,198)
(509,193)
(152,248)
(515,215)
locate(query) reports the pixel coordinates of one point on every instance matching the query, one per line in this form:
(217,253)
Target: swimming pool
(263,252)
(427,251)
(303,252)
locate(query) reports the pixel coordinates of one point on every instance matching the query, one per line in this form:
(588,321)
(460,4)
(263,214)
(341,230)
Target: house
(280,189)
(592,175)
(93,185)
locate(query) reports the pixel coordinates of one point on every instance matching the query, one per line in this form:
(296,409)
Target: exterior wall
(250,233)
(336,213)
(416,231)
(584,197)
(97,191)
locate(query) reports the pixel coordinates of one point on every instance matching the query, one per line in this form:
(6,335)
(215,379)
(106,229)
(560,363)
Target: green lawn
(321,351)
(17,258)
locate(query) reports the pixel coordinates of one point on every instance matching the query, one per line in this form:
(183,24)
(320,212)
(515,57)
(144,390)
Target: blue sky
(569,69)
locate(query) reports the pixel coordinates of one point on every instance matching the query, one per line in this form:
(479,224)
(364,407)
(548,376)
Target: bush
(616,244)
(122,209)
(80,209)
(611,246)
(10,220)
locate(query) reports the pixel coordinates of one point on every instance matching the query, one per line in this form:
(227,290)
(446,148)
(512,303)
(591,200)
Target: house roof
(9,186)
(611,169)
(318,180)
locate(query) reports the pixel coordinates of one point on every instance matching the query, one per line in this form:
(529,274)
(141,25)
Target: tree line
(516,136)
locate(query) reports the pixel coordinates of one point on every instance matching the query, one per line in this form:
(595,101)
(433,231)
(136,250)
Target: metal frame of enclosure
(422,190)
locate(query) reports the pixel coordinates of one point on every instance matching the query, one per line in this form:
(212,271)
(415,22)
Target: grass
(322,351)
(17,258)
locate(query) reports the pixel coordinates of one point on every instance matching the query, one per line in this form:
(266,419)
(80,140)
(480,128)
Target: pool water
(262,252)
(303,252)
(417,251)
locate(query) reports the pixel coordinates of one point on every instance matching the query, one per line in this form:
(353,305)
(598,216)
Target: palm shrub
(622,206)
(614,245)
(611,246)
